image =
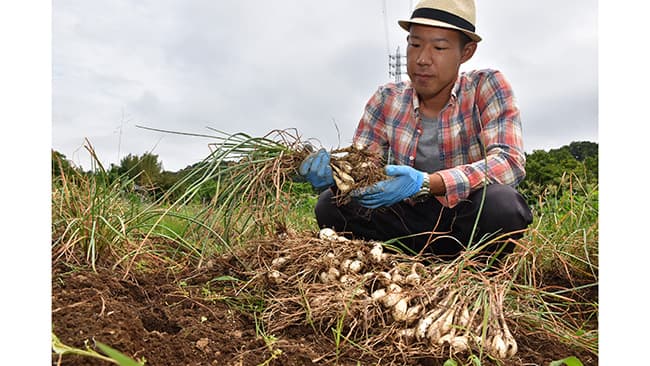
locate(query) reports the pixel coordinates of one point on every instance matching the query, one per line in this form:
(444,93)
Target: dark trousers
(431,228)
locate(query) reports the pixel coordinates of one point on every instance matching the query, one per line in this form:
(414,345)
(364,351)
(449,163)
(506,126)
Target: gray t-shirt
(427,158)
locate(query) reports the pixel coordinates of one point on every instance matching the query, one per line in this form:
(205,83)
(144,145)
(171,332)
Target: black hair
(464,39)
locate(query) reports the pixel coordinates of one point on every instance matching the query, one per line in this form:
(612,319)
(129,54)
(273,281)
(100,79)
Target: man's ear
(468,51)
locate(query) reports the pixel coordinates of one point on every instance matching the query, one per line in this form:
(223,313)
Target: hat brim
(406,24)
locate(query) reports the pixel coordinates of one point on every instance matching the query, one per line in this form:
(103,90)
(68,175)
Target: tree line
(149,180)
(545,170)
(140,175)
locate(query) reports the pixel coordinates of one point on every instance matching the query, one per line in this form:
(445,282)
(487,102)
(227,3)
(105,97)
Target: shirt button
(411,158)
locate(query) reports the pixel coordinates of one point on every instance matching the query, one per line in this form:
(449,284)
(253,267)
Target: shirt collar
(455,90)
(415,101)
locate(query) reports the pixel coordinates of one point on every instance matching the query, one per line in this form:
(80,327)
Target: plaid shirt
(481,115)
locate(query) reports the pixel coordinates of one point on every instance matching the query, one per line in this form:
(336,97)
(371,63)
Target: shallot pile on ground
(390,305)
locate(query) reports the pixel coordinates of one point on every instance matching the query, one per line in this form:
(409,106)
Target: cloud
(258,65)
(549,53)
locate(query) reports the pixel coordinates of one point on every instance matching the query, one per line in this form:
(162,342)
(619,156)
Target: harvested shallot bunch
(355,167)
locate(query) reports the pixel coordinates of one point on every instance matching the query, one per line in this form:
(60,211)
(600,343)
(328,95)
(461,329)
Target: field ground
(145,277)
(172,319)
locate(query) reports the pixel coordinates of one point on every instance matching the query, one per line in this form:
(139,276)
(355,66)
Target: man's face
(433,58)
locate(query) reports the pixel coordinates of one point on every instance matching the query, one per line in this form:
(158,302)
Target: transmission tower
(395,63)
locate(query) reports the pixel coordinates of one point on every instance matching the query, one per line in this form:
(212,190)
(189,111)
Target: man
(455,146)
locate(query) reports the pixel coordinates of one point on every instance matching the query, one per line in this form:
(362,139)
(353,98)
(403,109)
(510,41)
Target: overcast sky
(255,66)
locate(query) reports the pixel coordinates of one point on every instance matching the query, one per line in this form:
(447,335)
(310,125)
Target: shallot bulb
(376,252)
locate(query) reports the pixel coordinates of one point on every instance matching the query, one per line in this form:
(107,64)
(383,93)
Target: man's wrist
(425,188)
(437,184)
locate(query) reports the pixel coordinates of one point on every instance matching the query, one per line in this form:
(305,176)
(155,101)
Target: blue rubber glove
(316,169)
(405,182)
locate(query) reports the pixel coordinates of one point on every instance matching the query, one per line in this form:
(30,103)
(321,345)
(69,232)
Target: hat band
(443,16)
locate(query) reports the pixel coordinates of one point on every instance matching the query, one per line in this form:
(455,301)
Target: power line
(383,5)
(397,60)
(395,63)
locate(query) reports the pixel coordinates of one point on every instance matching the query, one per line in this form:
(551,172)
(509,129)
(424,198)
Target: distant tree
(146,169)
(546,168)
(151,168)
(61,165)
(587,153)
(582,150)
(113,173)
(167,180)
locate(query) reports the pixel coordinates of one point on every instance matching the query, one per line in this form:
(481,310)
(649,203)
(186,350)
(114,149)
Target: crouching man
(455,146)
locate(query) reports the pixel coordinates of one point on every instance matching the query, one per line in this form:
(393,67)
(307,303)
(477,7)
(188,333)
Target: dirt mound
(165,319)
(221,314)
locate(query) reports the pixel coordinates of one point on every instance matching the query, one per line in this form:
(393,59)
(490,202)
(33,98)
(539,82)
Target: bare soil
(197,317)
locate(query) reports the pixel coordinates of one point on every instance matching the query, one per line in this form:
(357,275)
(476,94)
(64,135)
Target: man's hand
(316,169)
(405,182)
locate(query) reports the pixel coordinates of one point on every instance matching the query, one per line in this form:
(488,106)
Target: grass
(96,215)
(554,282)
(562,249)
(90,215)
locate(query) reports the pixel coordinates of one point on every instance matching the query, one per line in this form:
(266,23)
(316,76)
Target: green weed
(111,355)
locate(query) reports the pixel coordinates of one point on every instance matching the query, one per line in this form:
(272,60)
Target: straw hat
(453,14)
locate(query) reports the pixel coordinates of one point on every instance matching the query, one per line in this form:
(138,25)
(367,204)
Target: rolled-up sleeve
(500,138)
